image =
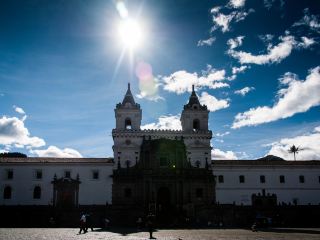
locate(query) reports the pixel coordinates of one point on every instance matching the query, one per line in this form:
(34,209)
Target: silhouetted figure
(150,225)
(254,227)
(106,223)
(89,221)
(82,223)
(139,223)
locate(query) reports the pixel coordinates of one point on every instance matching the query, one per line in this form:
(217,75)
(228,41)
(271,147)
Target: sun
(130,33)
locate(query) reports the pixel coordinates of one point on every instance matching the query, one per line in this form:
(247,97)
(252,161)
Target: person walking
(150,225)
(89,222)
(82,223)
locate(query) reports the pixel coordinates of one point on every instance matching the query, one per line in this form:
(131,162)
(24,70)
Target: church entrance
(65,192)
(163,199)
(165,209)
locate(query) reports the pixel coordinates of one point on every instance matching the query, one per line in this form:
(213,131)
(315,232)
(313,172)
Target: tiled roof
(56,160)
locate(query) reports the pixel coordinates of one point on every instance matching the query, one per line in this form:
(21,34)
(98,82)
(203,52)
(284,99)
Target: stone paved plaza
(202,234)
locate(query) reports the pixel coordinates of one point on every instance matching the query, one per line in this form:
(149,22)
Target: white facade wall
(232,191)
(127,144)
(91,191)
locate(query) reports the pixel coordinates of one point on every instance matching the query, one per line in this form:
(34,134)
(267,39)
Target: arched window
(7,192)
(37,192)
(127,123)
(196,125)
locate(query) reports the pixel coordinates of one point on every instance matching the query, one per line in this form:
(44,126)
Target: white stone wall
(231,190)
(90,191)
(132,113)
(127,144)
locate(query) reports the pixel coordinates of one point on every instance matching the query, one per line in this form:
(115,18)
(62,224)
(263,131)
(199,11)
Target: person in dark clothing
(89,221)
(82,223)
(150,225)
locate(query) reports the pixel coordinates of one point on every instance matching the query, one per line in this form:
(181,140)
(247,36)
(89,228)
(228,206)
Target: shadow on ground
(290,230)
(122,231)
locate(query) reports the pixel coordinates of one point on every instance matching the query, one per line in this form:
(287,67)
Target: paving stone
(182,234)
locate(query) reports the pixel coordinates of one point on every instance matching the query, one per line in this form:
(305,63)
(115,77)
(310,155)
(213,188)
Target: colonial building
(158,170)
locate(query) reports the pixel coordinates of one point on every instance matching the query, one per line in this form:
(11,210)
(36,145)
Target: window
(67,174)
(7,192)
(241,179)
(38,174)
(127,192)
(196,125)
(301,179)
(9,174)
(262,179)
(37,192)
(199,193)
(163,162)
(95,174)
(127,123)
(220,179)
(282,179)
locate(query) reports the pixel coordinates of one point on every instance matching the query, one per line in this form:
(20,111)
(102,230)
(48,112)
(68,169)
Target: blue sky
(255,65)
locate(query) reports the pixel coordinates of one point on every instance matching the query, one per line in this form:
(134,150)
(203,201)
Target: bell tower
(194,117)
(125,135)
(128,113)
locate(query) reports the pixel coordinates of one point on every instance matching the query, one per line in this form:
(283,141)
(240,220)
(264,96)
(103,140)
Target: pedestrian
(139,223)
(89,221)
(254,227)
(150,225)
(106,223)
(82,223)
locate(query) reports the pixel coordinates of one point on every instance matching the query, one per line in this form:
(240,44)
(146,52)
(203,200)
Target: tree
(295,150)
(12,155)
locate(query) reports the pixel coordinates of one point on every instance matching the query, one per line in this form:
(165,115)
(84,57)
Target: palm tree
(293,149)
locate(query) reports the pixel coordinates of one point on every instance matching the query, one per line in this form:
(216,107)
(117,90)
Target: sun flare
(130,33)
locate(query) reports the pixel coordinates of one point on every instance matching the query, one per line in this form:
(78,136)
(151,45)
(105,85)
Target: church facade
(158,170)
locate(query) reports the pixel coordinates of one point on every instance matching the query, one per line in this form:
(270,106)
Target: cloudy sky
(255,64)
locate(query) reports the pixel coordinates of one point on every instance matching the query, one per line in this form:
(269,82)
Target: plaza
(183,234)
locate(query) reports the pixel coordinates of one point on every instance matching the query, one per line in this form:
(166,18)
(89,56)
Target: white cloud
(240,69)
(165,123)
(235,42)
(13,131)
(213,103)
(207,42)
(19,110)
(269,3)
(222,134)
(309,144)
(266,38)
(244,91)
(182,81)
(223,21)
(275,54)
(217,154)
(312,21)
(53,151)
(306,42)
(299,96)
(237,3)
(147,96)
